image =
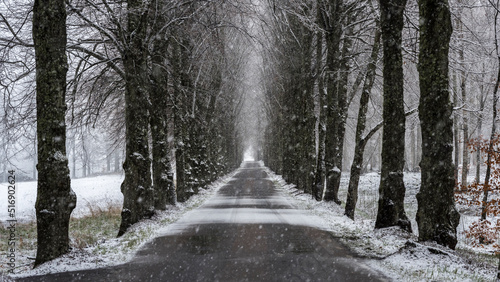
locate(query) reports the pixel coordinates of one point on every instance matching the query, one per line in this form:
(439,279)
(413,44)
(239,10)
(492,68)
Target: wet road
(247,232)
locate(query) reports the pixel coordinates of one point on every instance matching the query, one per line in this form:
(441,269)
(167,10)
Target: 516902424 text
(11,222)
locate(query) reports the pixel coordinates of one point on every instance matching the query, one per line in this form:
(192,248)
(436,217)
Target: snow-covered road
(247,232)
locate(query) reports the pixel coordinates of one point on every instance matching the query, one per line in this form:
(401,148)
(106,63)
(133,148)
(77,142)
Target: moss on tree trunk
(437,217)
(180,121)
(55,199)
(138,202)
(392,190)
(335,125)
(320,175)
(163,176)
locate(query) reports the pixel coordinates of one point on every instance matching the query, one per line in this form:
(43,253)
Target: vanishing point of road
(248,231)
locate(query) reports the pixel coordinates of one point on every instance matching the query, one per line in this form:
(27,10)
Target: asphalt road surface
(247,232)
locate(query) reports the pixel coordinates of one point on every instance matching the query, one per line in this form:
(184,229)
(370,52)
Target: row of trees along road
(326,54)
(159,77)
(164,80)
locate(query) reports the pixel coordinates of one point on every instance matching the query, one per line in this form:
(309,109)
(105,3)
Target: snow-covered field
(92,193)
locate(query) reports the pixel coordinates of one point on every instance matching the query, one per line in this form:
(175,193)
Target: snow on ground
(91,193)
(393,252)
(116,250)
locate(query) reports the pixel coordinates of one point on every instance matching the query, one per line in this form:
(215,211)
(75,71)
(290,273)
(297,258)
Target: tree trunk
(138,202)
(4,171)
(35,157)
(456,135)
(486,189)
(498,268)
(108,162)
(84,157)
(419,146)
(392,189)
(465,152)
(360,143)
(55,199)
(3,158)
(209,144)
(437,217)
(340,115)
(465,124)
(73,148)
(333,27)
(84,169)
(179,123)
(163,176)
(308,120)
(319,179)
(465,115)
(482,101)
(117,160)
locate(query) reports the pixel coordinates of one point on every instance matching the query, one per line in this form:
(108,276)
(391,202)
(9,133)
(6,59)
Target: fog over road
(247,232)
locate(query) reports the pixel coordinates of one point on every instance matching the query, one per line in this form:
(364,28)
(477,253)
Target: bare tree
(55,199)
(138,202)
(437,217)
(486,187)
(337,110)
(163,177)
(360,142)
(392,190)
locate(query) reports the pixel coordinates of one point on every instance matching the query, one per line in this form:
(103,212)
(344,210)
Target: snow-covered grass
(94,227)
(396,253)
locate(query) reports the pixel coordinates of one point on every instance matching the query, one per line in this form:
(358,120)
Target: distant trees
(339,38)
(158,76)
(205,66)
(314,46)
(55,199)
(197,101)
(170,68)
(18,120)
(290,138)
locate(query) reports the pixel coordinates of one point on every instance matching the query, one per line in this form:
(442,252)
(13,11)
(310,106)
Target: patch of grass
(167,221)
(25,236)
(133,242)
(439,273)
(481,258)
(137,237)
(101,224)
